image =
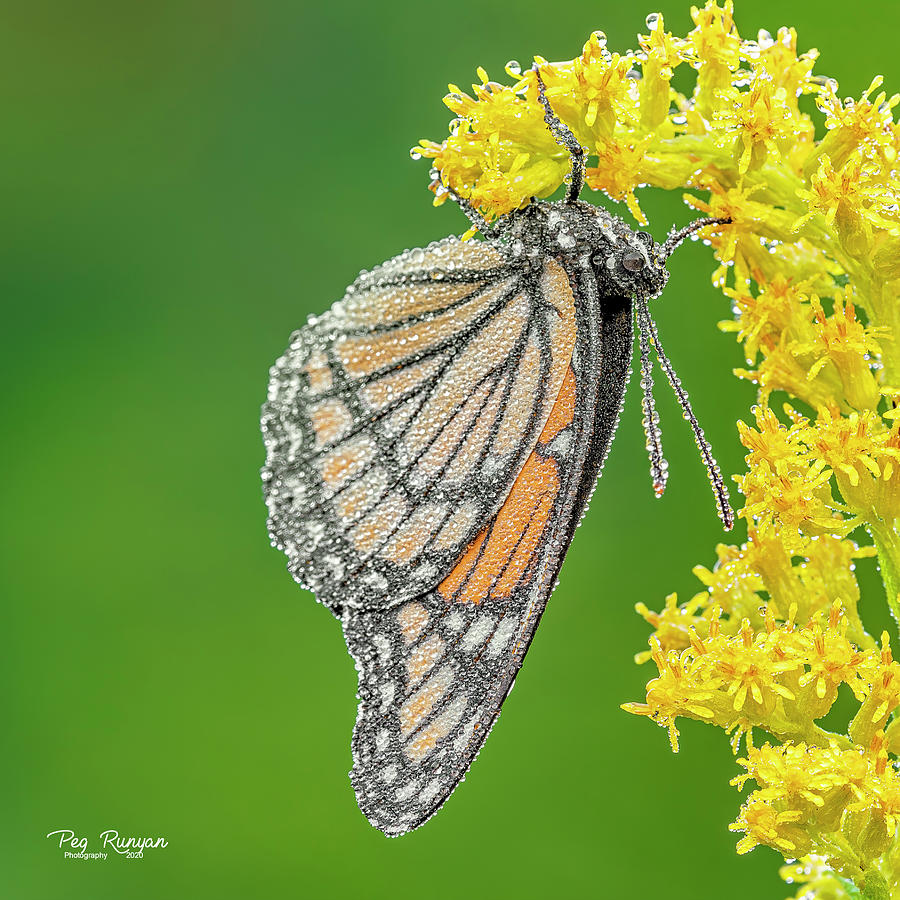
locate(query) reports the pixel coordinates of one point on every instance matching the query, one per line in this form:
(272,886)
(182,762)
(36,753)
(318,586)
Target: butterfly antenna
(472,214)
(676,237)
(563,136)
(659,468)
(726,514)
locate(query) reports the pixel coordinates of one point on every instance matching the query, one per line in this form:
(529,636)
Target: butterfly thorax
(624,262)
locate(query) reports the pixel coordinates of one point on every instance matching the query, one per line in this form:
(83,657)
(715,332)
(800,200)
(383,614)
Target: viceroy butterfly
(432,443)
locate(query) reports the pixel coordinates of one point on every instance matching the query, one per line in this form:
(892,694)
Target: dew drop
(514,67)
(653,21)
(600,38)
(415,153)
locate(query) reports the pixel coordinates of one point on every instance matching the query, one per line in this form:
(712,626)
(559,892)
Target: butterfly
(432,443)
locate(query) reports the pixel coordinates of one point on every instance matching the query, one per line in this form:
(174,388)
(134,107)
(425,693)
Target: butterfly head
(636,266)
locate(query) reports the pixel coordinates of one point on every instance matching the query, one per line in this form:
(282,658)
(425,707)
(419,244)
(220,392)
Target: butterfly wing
(398,421)
(434,672)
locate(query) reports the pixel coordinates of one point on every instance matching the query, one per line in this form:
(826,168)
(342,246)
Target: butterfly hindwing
(397,422)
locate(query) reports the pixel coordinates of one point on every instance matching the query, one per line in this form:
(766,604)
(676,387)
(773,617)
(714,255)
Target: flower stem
(874,887)
(887,543)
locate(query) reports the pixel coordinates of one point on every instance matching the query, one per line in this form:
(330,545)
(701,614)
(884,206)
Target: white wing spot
(454,621)
(562,443)
(478,632)
(425,571)
(504,632)
(335,564)
(387,691)
(408,790)
(457,526)
(465,735)
(382,647)
(375,580)
(431,790)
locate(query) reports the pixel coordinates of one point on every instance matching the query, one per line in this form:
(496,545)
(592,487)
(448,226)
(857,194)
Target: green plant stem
(874,887)
(887,543)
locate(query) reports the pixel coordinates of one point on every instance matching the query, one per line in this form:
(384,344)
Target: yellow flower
(778,59)
(676,692)
(882,675)
(733,585)
(777,309)
(592,93)
(663,53)
(499,153)
(764,825)
(715,48)
(831,660)
(774,445)
(786,773)
(844,341)
(763,122)
(852,200)
(810,265)
(825,576)
(855,447)
(862,122)
(798,501)
(756,229)
(674,625)
(617,170)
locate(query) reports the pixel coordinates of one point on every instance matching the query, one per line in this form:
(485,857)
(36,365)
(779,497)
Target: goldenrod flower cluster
(811,267)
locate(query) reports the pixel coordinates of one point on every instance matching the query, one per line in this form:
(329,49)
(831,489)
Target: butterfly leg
(647,325)
(563,136)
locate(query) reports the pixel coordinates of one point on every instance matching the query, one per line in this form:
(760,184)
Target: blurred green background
(181,184)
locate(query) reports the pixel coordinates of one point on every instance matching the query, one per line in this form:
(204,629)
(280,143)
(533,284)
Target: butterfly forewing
(398,421)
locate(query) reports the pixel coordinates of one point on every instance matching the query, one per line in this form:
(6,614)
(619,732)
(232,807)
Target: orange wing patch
(412,619)
(563,413)
(497,559)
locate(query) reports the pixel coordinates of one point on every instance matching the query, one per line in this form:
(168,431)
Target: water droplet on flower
(513,67)
(600,39)
(764,39)
(653,21)
(415,153)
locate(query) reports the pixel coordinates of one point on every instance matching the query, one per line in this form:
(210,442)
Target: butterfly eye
(633,261)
